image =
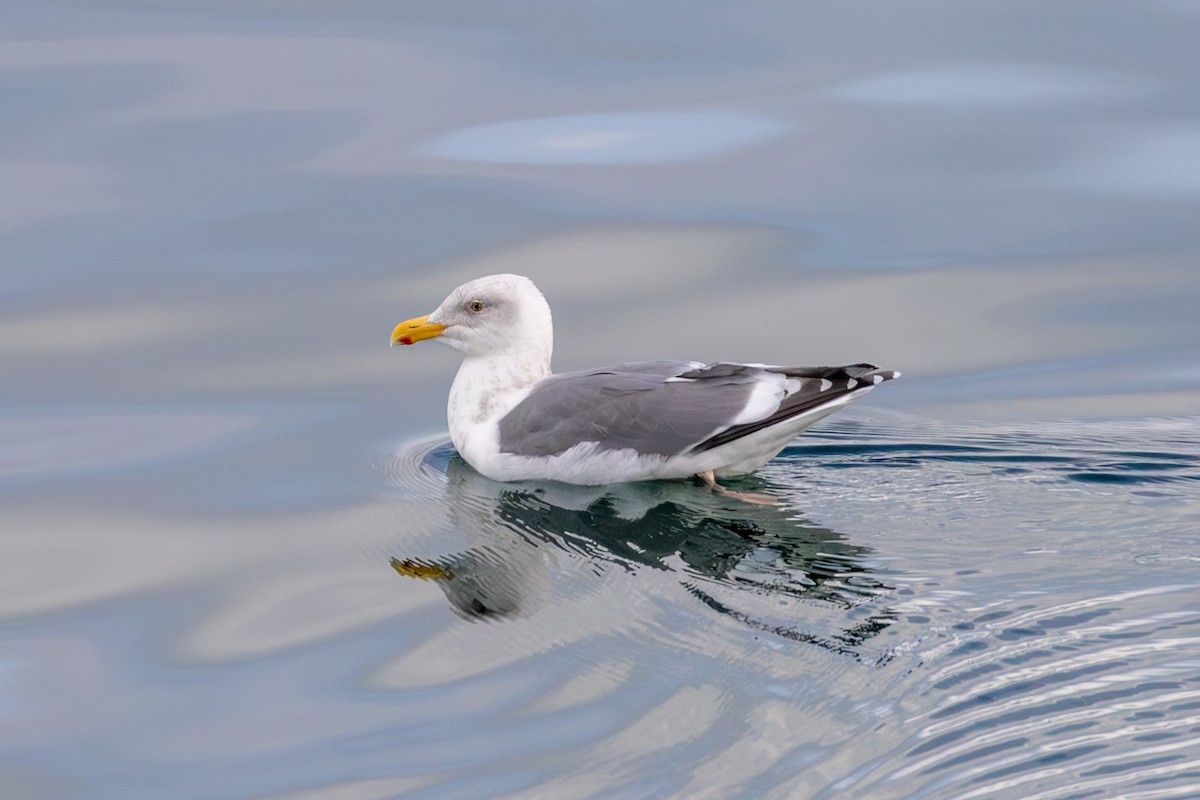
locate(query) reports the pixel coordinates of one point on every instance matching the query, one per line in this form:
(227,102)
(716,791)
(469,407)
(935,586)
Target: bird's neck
(488,385)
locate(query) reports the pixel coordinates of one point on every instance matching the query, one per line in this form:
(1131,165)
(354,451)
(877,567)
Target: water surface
(238,558)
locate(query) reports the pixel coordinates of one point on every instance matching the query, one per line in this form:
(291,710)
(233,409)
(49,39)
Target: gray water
(239,558)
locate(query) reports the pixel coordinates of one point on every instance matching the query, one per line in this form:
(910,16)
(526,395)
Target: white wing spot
(764,399)
(850,384)
(877,379)
(826,385)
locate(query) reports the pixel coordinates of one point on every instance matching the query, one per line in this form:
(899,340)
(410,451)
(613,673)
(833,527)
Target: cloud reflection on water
(618,138)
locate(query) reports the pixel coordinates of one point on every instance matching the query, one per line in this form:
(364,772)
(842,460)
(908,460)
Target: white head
(495,315)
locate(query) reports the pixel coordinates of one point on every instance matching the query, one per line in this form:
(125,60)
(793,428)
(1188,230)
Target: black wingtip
(830,383)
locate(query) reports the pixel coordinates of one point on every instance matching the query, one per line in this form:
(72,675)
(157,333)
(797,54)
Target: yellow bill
(414,330)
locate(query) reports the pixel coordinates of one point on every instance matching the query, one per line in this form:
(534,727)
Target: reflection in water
(628,138)
(737,558)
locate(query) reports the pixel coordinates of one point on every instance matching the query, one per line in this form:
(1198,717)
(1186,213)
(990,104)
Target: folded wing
(667,408)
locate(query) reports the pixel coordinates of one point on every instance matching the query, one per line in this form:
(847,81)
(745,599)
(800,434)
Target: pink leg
(746,497)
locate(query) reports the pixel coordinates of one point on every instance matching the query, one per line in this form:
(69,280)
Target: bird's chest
(477,400)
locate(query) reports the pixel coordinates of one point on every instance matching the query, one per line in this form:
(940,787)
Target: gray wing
(642,406)
(659,407)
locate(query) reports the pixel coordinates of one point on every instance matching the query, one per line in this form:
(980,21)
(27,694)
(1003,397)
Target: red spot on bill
(405,340)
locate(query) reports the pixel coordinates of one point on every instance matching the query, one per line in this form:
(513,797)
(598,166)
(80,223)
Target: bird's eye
(476,306)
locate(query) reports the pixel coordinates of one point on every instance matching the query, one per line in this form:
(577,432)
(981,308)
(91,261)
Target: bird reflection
(741,560)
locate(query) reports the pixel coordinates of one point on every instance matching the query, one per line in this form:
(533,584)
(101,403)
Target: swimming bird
(513,419)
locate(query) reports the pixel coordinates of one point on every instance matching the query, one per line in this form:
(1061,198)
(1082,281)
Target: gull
(512,419)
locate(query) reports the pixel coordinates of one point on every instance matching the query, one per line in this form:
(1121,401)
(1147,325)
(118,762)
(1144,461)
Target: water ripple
(1059,701)
(923,615)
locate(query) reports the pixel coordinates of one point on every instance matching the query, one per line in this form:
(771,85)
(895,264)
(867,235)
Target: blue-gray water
(238,558)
